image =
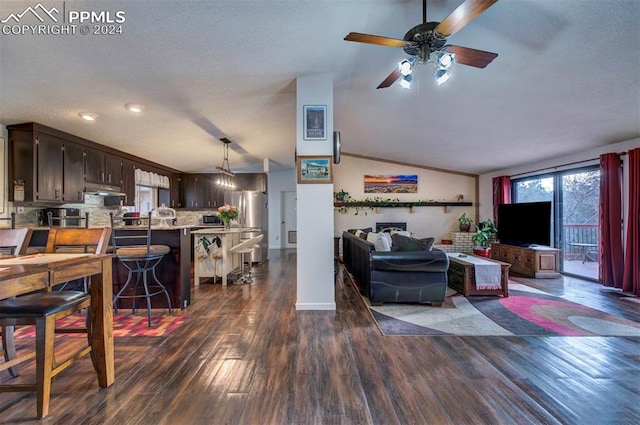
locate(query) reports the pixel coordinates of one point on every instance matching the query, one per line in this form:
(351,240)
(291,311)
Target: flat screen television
(525,224)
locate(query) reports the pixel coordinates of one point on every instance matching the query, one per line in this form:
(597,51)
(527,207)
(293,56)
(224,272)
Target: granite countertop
(221,230)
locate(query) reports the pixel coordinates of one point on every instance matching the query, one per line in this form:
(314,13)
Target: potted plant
(484,234)
(465,222)
(342,196)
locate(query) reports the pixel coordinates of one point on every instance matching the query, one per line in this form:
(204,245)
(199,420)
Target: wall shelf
(392,204)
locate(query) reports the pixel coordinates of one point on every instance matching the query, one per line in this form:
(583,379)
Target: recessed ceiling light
(134,107)
(89,116)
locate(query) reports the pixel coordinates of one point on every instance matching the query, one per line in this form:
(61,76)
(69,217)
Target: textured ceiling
(567,78)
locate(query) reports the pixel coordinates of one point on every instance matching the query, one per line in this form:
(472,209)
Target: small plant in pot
(484,234)
(342,196)
(465,222)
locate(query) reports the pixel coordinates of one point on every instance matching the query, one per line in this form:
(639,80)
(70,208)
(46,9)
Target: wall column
(315,269)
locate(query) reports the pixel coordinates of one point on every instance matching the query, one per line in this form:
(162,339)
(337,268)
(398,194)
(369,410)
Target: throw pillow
(365,230)
(379,241)
(407,243)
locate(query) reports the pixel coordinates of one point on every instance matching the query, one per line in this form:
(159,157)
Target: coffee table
(462,278)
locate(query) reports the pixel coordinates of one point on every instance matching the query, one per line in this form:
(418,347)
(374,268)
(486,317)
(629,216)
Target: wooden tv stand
(538,262)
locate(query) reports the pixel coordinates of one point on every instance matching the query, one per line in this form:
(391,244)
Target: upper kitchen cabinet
(251,181)
(129,182)
(102,167)
(175,191)
(73,176)
(57,167)
(42,161)
(49,172)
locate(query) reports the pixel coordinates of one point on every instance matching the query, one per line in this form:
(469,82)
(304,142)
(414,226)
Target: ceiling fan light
(445,59)
(405,82)
(441,75)
(406,67)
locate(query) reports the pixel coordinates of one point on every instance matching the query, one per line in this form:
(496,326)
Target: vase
(227,223)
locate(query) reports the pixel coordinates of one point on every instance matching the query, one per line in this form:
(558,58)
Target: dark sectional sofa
(396,276)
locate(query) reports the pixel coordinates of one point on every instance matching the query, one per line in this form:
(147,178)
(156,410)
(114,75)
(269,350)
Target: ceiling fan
(428,38)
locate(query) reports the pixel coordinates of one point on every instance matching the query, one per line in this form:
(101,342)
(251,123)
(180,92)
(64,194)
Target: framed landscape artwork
(315,122)
(395,183)
(314,169)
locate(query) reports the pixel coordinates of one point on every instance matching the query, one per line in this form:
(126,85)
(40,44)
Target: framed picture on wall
(314,169)
(315,122)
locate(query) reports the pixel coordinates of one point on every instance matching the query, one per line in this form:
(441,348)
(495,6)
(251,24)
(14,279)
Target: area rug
(123,325)
(526,312)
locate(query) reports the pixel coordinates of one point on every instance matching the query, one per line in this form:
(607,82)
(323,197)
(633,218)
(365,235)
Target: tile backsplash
(98,213)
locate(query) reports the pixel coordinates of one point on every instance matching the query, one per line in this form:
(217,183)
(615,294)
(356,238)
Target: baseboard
(315,306)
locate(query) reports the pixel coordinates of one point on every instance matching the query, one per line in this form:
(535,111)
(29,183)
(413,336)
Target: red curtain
(610,217)
(501,194)
(631,279)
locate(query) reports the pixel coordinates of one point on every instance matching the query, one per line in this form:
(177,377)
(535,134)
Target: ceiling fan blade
(392,78)
(462,15)
(375,39)
(471,57)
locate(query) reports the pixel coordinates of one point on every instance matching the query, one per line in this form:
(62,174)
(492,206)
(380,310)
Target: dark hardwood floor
(245,356)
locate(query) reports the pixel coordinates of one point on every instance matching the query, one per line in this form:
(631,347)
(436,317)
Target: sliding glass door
(579,242)
(575,197)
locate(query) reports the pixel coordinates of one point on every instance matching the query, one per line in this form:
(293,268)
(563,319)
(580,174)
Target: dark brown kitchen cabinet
(129,182)
(49,173)
(175,199)
(102,167)
(73,173)
(201,191)
(192,190)
(51,167)
(251,181)
(209,190)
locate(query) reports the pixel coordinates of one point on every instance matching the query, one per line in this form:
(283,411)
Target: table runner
(487,272)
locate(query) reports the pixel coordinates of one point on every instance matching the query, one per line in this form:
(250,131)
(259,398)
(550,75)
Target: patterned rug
(123,325)
(526,312)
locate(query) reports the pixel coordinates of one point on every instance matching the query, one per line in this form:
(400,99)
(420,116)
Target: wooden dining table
(23,274)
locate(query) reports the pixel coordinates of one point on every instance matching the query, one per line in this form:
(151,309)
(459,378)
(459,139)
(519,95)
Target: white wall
(315,269)
(432,186)
(278,182)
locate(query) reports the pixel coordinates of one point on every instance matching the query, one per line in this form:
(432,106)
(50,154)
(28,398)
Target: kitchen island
(217,262)
(174,271)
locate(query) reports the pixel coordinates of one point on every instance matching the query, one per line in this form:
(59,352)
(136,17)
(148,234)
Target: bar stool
(243,248)
(139,258)
(42,309)
(11,219)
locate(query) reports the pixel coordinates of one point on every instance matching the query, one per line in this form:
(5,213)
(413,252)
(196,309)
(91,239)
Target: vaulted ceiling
(567,78)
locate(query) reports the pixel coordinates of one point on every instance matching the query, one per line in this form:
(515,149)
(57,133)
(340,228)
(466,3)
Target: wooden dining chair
(15,241)
(12,241)
(42,309)
(73,240)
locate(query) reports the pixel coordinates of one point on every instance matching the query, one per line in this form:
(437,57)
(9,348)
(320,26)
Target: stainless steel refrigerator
(253,212)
